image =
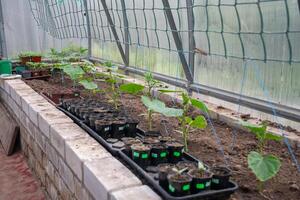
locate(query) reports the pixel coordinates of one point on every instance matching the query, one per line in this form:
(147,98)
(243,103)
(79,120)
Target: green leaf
(111,81)
(160,107)
(74,72)
(264,167)
(259,131)
(188,120)
(131,88)
(185,98)
(199,122)
(271,136)
(199,104)
(89,85)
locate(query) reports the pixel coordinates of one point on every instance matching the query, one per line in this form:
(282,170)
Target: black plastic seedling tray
(152,180)
(95,135)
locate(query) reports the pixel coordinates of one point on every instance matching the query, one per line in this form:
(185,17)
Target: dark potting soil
(180,178)
(227,145)
(200,174)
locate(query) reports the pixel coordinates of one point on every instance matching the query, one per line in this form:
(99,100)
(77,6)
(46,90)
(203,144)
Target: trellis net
(266,30)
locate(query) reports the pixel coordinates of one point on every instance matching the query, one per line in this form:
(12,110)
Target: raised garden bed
(206,146)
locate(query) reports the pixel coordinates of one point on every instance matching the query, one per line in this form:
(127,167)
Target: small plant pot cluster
(30,57)
(167,154)
(185,178)
(102,118)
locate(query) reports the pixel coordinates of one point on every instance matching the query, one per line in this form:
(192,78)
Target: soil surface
(16,180)
(220,144)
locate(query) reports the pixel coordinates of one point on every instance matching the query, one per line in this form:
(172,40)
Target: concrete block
(66,174)
(51,190)
(59,133)
(80,192)
(37,152)
(34,109)
(50,170)
(3,95)
(49,117)
(52,154)
(105,175)
(135,193)
(39,138)
(64,192)
(80,150)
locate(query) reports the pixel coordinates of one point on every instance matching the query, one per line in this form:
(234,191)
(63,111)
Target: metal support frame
(126,32)
(88,28)
(2,34)
(113,29)
(189,76)
(192,42)
(246,101)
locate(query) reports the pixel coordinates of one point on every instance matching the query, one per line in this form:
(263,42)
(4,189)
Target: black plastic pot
(103,128)
(200,182)
(175,150)
(159,154)
(152,133)
(179,184)
(128,141)
(118,128)
(220,179)
(141,155)
(92,119)
(131,128)
(26,74)
(163,171)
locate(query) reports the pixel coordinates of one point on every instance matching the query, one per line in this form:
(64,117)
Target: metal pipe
(189,76)
(113,29)
(88,28)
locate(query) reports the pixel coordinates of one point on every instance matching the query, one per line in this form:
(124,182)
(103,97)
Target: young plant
(112,81)
(187,122)
(29,54)
(89,85)
(201,167)
(264,166)
(179,172)
(75,73)
(150,83)
(158,106)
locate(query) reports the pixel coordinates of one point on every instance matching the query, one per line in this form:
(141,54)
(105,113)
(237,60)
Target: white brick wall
(69,163)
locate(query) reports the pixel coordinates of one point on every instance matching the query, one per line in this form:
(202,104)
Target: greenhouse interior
(150,99)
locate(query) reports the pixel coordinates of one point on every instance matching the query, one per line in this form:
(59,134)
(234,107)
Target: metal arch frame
(88,28)
(2,33)
(126,32)
(192,42)
(113,29)
(188,74)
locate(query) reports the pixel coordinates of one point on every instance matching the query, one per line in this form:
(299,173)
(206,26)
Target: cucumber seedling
(263,165)
(186,121)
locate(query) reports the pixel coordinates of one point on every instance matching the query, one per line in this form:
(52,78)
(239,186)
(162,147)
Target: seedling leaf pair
(158,106)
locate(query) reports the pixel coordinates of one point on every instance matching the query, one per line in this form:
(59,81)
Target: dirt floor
(226,145)
(16,180)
